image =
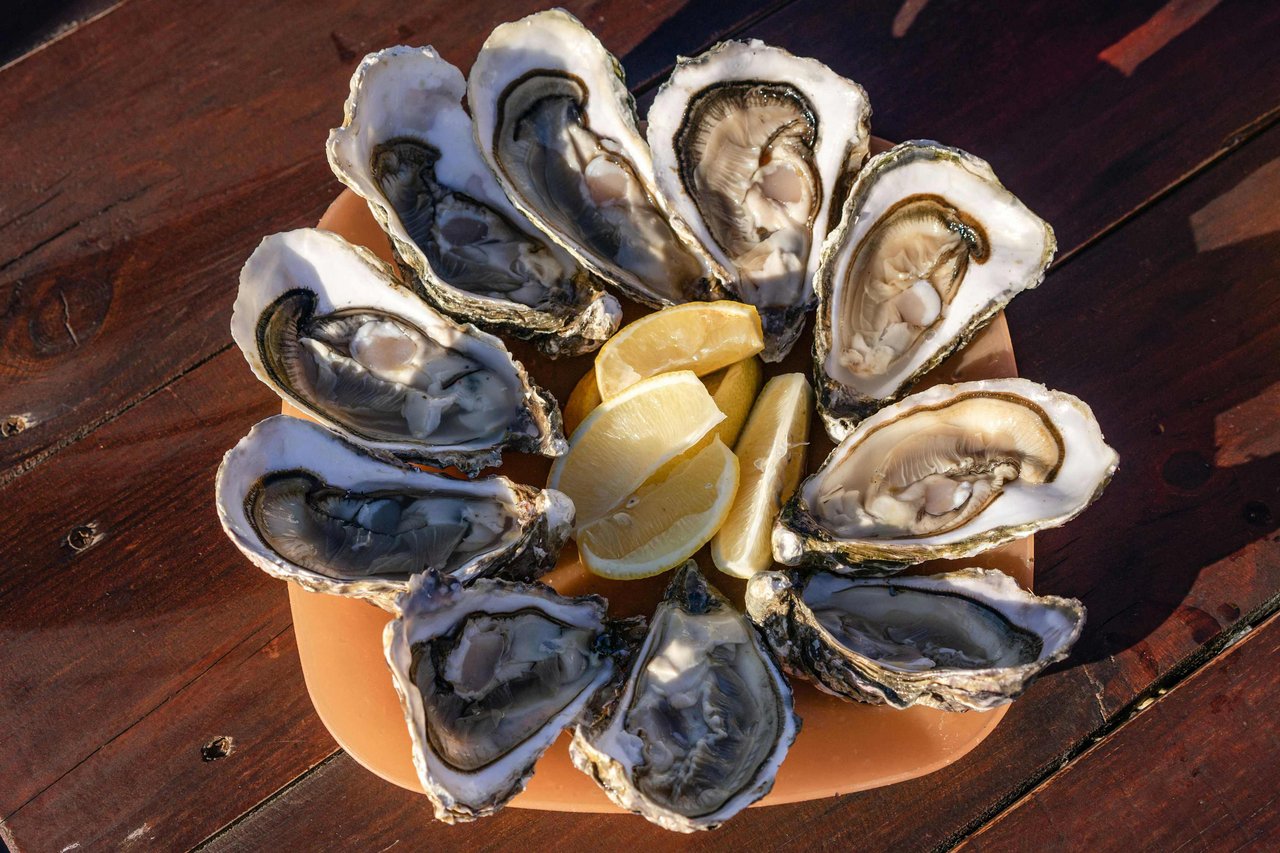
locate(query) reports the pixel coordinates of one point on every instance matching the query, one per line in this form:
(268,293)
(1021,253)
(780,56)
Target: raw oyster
(307,506)
(703,722)
(326,325)
(407,147)
(489,675)
(750,143)
(971,639)
(947,473)
(931,246)
(557,125)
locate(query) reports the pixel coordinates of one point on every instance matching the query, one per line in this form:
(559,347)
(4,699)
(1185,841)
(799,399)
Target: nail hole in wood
(83,537)
(219,747)
(14,424)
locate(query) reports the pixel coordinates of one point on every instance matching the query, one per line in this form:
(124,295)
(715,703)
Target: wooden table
(149,689)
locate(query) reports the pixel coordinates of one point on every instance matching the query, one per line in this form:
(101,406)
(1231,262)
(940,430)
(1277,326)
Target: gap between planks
(1148,699)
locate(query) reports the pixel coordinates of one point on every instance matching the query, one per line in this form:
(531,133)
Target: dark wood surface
(151,691)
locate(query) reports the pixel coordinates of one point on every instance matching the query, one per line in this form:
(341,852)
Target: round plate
(842,746)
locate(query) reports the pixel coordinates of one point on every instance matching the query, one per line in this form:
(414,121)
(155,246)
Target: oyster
(947,473)
(307,506)
(557,125)
(931,246)
(325,324)
(970,639)
(704,721)
(489,675)
(407,147)
(750,143)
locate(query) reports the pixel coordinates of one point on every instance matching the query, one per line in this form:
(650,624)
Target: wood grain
(1196,770)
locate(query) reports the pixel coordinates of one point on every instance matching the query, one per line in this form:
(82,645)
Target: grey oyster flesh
(584,189)
(468,244)
(937,468)
(382,377)
(918,631)
(906,273)
(745,152)
(704,721)
(498,679)
(349,535)
(705,710)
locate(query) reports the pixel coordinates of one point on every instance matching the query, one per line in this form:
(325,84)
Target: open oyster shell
(704,721)
(307,506)
(489,675)
(407,147)
(930,247)
(970,639)
(557,125)
(947,473)
(326,325)
(751,145)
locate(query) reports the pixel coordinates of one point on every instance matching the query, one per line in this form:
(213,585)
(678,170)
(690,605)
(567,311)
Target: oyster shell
(307,506)
(931,246)
(489,675)
(704,721)
(325,324)
(970,639)
(557,125)
(947,473)
(750,143)
(407,147)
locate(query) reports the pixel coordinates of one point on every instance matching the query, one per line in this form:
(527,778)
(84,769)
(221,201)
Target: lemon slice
(626,440)
(771,452)
(665,521)
(698,336)
(735,389)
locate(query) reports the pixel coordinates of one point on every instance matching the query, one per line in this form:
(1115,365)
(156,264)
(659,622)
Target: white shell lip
(1022,245)
(431,607)
(283,443)
(411,92)
(843,138)
(605,754)
(1088,465)
(343,276)
(554,40)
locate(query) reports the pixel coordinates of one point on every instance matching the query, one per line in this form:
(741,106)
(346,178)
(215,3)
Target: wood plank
(1182,549)
(207,135)
(1196,770)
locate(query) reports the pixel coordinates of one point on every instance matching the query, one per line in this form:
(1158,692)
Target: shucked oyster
(556,123)
(325,324)
(704,721)
(966,639)
(489,675)
(750,144)
(947,473)
(306,506)
(931,246)
(407,147)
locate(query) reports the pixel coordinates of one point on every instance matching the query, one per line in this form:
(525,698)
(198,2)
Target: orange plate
(842,747)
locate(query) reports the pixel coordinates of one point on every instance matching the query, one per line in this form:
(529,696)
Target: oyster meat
(307,506)
(703,722)
(750,144)
(489,675)
(557,125)
(407,147)
(325,324)
(970,639)
(931,246)
(947,473)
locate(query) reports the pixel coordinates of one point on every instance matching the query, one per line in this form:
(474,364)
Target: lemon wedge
(627,439)
(698,336)
(665,521)
(771,453)
(735,389)
(583,400)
